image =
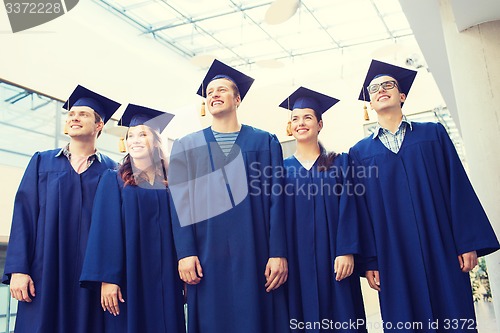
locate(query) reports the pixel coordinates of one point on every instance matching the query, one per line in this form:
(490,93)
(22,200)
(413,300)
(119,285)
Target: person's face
(81,122)
(304,125)
(140,140)
(384,99)
(221,97)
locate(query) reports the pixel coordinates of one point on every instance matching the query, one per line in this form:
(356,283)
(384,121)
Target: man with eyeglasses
(428,223)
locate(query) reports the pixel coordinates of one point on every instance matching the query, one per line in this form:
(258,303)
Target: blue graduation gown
(233,246)
(51,220)
(322,223)
(424,213)
(131,245)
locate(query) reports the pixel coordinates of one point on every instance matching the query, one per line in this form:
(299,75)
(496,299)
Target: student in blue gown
(131,255)
(428,223)
(322,225)
(229,232)
(50,224)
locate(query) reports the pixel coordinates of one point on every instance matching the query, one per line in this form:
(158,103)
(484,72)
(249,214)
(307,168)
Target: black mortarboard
(307,98)
(82,96)
(219,70)
(136,115)
(405,77)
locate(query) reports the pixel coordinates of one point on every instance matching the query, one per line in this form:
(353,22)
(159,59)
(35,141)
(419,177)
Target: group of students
(99,247)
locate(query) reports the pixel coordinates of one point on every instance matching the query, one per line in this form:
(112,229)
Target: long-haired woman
(130,254)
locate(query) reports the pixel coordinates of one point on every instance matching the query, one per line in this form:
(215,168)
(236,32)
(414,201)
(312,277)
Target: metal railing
(8,310)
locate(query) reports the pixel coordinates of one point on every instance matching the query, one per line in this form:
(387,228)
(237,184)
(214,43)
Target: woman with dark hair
(322,226)
(130,254)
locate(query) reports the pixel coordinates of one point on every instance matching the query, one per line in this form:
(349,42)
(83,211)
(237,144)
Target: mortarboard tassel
(367,117)
(65,123)
(203,109)
(289,129)
(121,145)
(289,124)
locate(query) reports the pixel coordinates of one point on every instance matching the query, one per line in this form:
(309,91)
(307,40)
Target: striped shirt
(225,140)
(392,141)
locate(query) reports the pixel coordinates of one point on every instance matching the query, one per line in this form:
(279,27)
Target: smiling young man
(50,225)
(428,223)
(229,229)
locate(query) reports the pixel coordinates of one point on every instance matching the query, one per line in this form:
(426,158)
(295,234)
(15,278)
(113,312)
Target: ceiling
(237,33)
(321,35)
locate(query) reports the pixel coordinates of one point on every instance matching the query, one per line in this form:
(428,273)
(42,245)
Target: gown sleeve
(347,241)
(105,255)
(277,239)
(471,227)
(24,223)
(367,259)
(184,236)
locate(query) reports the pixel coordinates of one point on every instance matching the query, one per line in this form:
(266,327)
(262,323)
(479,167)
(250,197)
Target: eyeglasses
(387,85)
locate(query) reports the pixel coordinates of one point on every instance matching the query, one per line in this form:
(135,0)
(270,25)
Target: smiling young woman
(131,245)
(322,222)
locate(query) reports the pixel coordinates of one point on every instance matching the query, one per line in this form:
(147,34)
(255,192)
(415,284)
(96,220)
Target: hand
(110,294)
(190,270)
(373,279)
(20,284)
(276,273)
(343,266)
(468,261)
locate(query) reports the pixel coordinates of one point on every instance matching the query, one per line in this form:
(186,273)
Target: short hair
(98,119)
(234,86)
